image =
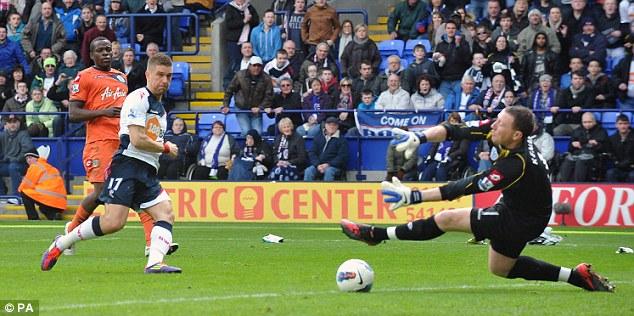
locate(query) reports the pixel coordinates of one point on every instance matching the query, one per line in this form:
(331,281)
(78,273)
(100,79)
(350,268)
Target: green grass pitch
(228,270)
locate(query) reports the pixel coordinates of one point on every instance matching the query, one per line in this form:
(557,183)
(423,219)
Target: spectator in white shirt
(394,98)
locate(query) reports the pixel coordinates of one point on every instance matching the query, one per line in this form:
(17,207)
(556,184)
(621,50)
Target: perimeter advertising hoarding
(608,205)
(292,202)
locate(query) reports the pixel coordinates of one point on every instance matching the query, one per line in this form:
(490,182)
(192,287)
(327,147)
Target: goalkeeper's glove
(405,141)
(397,194)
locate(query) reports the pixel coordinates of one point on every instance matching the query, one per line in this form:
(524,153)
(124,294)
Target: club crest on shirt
(495,176)
(75,87)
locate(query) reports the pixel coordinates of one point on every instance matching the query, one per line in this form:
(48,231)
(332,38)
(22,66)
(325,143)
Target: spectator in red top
(101,29)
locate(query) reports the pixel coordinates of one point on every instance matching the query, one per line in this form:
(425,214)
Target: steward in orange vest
(42,185)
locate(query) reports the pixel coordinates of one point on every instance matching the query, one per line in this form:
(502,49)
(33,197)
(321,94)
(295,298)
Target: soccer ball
(355,275)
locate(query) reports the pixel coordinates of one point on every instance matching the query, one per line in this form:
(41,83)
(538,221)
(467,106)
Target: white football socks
(160,241)
(564,274)
(391,233)
(82,232)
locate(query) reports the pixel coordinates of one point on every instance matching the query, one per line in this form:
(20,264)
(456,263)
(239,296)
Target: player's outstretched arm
(77,113)
(142,141)
(397,194)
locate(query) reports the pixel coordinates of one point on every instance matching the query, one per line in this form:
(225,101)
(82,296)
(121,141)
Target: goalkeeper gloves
(397,194)
(406,141)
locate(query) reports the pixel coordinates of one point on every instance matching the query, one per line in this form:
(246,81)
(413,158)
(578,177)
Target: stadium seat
(266,122)
(391,47)
(231,124)
(408,52)
(180,77)
(203,126)
(608,119)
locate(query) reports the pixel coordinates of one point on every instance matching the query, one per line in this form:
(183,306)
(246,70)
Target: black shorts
(133,183)
(508,231)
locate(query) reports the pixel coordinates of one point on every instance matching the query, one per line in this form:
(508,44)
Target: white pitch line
(269,295)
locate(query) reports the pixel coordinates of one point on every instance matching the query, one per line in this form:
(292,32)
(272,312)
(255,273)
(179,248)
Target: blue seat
(408,52)
(231,124)
(266,122)
(180,76)
(391,47)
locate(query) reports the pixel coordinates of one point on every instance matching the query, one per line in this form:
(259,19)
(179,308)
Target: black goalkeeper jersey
(521,174)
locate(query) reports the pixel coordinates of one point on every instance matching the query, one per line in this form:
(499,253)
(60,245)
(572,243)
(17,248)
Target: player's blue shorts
(133,183)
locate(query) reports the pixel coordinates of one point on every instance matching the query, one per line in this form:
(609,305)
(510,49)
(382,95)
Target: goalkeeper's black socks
(532,269)
(422,229)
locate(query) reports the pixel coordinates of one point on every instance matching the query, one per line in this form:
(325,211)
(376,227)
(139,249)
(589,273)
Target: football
(355,275)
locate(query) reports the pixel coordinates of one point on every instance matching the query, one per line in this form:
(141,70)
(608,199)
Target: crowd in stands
(569,61)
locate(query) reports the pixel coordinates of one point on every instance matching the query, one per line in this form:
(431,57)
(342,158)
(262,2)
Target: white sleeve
(136,106)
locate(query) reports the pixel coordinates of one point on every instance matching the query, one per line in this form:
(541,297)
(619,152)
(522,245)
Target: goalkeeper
(520,216)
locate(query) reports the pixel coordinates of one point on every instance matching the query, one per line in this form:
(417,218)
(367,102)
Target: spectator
(426,97)
(136,79)
(294,59)
(14,143)
(320,24)
(133,70)
(574,18)
(149,29)
(253,92)
(293,30)
(397,165)
(15,26)
(435,25)
(11,53)
(452,57)
(120,25)
(329,82)
(70,67)
(253,161)
(506,29)
(586,144)
(87,21)
(466,99)
(493,18)
(419,66)
(609,24)
(284,6)
(343,99)
(329,153)
(40,125)
(286,99)
(6,88)
(576,98)
(622,150)
(69,14)
(188,146)
(316,100)
(589,44)
(446,157)
(575,65)
(289,153)
(43,186)
(482,40)
(240,17)
(47,32)
(365,81)
(527,35)
(394,67)
(367,101)
(394,98)
(402,20)
(519,15)
(361,48)
(476,72)
(266,38)
(555,23)
(343,39)
(100,30)
(621,76)
(544,142)
(303,87)
(17,103)
(46,79)
(601,85)
(117,55)
(278,69)
(216,152)
(538,61)
(491,98)
(319,58)
(502,54)
(37,65)
(543,99)
(246,50)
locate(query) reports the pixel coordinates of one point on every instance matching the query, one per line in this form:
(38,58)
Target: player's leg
(148,224)
(86,207)
(112,221)
(161,237)
(422,229)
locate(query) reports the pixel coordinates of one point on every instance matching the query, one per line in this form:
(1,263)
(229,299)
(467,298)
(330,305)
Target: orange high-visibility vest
(44,184)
